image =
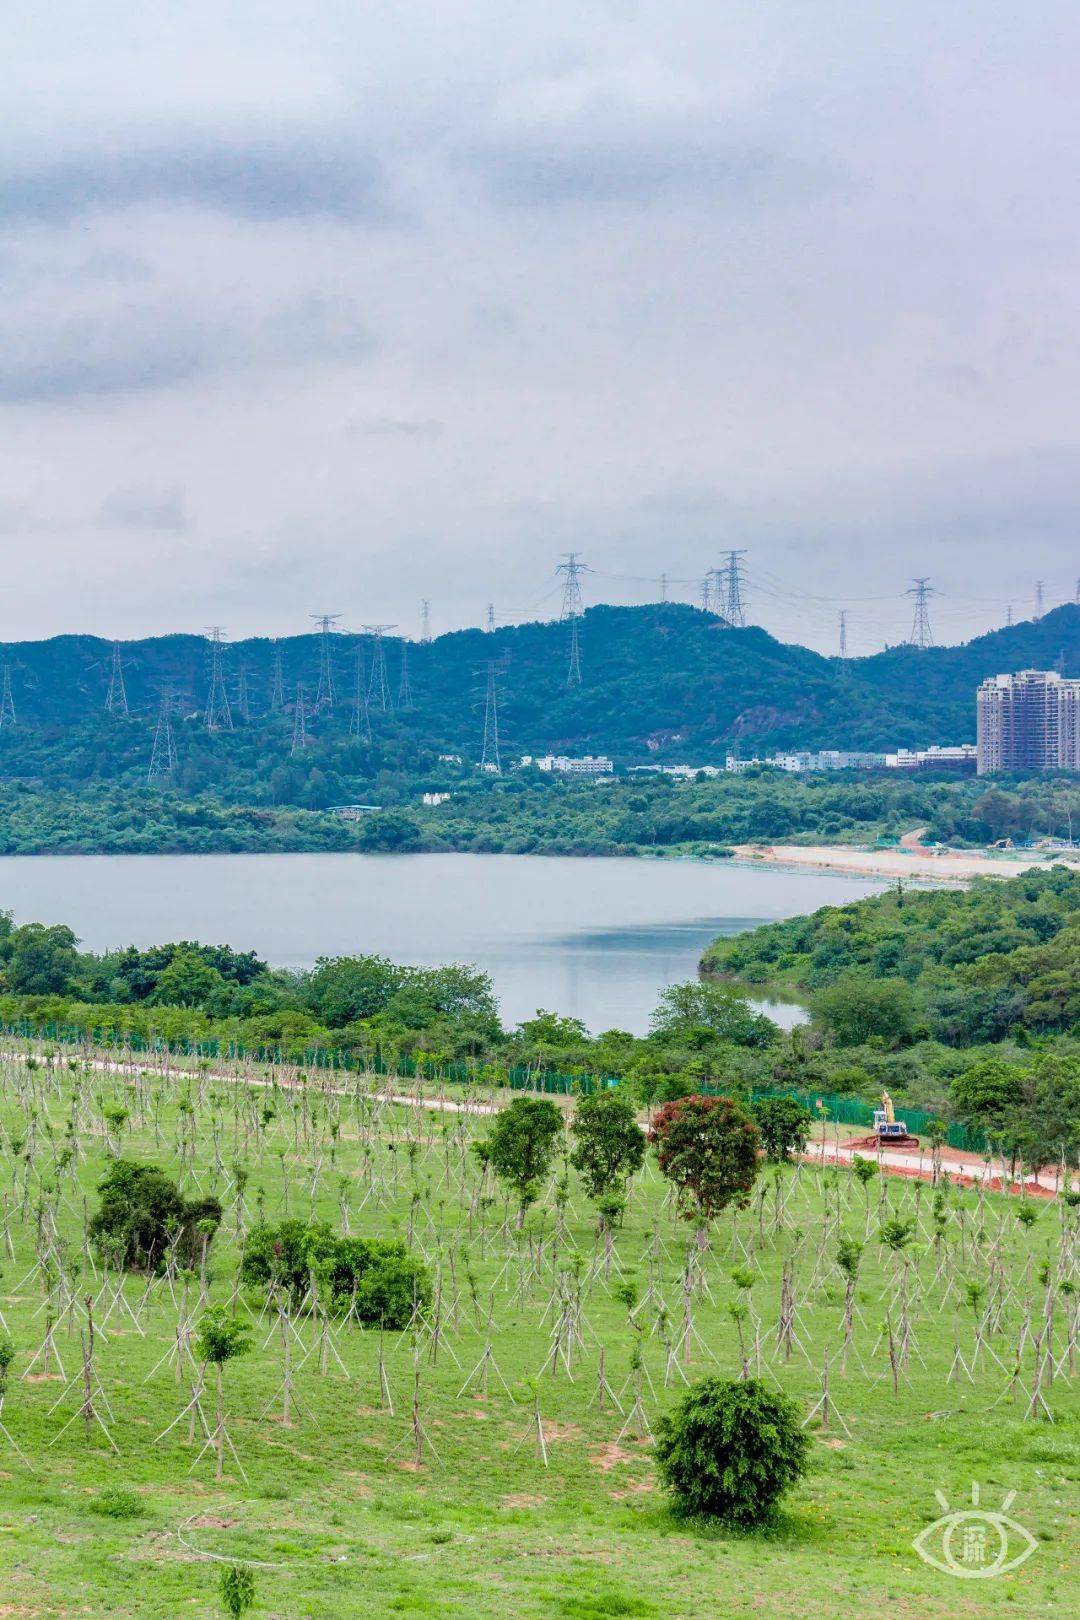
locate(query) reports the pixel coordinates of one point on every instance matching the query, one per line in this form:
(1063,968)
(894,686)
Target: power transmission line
(921,634)
(378,686)
(489,757)
(218,713)
(116,701)
(572,570)
(324,623)
(299,730)
(7,702)
(573,671)
(404,696)
(243,695)
(163,753)
(360,722)
(572,610)
(277,682)
(729,591)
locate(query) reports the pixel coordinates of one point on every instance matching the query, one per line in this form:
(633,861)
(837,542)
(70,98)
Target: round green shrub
(730,1449)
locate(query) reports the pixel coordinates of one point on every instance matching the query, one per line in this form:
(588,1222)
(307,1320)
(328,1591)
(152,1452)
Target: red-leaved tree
(707,1148)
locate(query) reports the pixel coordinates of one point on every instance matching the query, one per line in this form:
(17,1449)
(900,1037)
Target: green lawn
(334,1509)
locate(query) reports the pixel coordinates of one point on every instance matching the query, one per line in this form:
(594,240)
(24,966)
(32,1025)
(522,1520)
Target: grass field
(335,1514)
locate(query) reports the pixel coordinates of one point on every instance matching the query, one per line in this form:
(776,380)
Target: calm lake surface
(593,938)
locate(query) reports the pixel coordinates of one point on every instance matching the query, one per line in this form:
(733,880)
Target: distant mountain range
(660,682)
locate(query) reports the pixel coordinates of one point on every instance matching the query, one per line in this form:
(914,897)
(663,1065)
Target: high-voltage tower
(324,624)
(489,758)
(572,610)
(116,700)
(921,634)
(163,753)
(218,713)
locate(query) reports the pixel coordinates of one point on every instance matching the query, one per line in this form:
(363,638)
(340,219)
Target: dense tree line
(530,812)
(961,1003)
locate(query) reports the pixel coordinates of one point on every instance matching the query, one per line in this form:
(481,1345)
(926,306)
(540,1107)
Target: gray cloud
(146,506)
(130,346)
(261,179)
(409,300)
(393,427)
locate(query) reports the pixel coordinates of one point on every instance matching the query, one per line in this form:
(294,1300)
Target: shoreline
(953,866)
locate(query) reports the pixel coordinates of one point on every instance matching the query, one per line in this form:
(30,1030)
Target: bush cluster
(377,1278)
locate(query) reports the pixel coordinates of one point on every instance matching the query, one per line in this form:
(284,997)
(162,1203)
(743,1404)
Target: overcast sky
(331,306)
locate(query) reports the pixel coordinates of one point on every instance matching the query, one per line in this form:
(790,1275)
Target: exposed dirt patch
(561,1431)
(211,1521)
(522,1500)
(637,1487)
(609,1456)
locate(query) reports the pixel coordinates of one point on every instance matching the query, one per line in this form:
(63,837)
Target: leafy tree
(609,1144)
(220,1338)
(521,1146)
(707,1147)
(784,1124)
(988,1092)
(189,980)
(730,1449)
(858,1010)
(706,1010)
(1052,1112)
(43,961)
(143,1215)
(343,989)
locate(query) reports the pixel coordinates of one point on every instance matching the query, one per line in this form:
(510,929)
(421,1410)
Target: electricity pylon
(378,685)
(7,702)
(425,621)
(729,597)
(573,672)
(572,571)
(116,700)
(572,611)
(921,634)
(404,694)
(299,730)
(218,713)
(360,720)
(163,753)
(277,683)
(324,695)
(489,758)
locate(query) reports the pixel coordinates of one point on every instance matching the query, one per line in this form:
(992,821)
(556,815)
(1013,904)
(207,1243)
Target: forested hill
(663,681)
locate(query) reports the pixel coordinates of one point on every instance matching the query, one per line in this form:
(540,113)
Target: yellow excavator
(889,1129)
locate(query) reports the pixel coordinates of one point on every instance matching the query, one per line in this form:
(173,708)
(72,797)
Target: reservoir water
(592,938)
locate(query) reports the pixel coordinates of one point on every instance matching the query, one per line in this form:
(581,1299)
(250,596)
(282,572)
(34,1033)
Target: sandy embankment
(914,861)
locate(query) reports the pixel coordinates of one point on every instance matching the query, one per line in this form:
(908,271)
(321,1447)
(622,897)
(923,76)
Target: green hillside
(659,682)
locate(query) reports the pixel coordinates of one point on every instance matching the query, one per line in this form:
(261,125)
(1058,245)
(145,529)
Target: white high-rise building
(1029,721)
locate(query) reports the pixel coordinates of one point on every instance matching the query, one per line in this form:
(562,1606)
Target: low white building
(562,765)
